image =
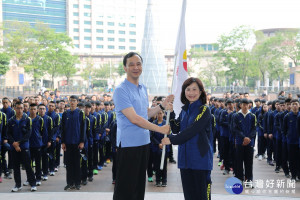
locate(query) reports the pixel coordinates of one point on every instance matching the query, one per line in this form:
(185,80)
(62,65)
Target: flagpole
(163,155)
(176,73)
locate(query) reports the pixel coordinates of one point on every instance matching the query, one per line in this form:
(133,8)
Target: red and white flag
(180,70)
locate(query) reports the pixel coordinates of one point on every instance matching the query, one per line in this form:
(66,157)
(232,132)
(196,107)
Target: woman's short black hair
(187,83)
(129,55)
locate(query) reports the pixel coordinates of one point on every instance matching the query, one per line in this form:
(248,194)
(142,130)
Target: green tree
(234,50)
(69,66)
(4,63)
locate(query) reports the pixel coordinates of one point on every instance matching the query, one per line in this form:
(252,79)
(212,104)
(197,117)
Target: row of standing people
(36,136)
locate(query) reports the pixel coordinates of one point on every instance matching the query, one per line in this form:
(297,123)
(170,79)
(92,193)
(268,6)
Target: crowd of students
(33,131)
(275,124)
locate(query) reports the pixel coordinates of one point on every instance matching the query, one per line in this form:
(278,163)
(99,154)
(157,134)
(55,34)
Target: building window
(111,31)
(76,45)
(132,48)
(75,13)
(87,6)
(76,29)
(99,23)
(290,64)
(100,38)
(110,23)
(87,22)
(121,39)
(132,40)
(75,6)
(87,14)
(99,30)
(209,47)
(111,47)
(111,39)
(122,24)
(87,38)
(87,30)
(132,25)
(75,38)
(122,47)
(122,32)
(87,46)
(99,46)
(132,33)
(76,22)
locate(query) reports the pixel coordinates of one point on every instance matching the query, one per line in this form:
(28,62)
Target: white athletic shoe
(38,183)
(26,183)
(16,189)
(33,189)
(260,157)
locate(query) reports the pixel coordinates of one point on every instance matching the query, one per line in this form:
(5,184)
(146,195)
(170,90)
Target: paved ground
(102,187)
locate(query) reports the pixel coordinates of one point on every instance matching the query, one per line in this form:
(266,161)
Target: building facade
(102,27)
(51,12)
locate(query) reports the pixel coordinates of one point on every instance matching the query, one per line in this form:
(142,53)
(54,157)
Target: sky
(206,20)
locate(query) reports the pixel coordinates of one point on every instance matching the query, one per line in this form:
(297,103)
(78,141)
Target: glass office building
(51,12)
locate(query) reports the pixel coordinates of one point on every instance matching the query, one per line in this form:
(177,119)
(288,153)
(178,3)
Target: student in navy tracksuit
(272,129)
(113,134)
(91,134)
(56,124)
(161,175)
(245,131)
(110,118)
(46,138)
(267,134)
(6,166)
(217,136)
(262,144)
(18,132)
(278,125)
(102,134)
(3,136)
(224,123)
(72,139)
(195,140)
(292,137)
(36,142)
(284,156)
(97,147)
(217,105)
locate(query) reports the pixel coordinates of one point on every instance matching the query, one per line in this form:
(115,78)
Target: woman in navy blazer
(195,140)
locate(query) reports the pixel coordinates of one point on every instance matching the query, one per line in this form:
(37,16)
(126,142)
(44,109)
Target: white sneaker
(38,183)
(45,178)
(26,183)
(33,189)
(260,157)
(16,189)
(55,169)
(265,156)
(52,173)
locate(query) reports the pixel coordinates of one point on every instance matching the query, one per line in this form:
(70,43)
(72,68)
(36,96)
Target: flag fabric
(180,69)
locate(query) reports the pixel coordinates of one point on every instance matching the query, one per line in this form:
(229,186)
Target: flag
(180,69)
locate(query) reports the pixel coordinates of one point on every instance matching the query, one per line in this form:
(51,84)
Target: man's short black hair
(18,103)
(294,100)
(41,105)
(98,103)
(129,55)
(257,100)
(159,98)
(106,103)
(263,101)
(88,105)
(244,100)
(288,100)
(80,104)
(32,105)
(74,97)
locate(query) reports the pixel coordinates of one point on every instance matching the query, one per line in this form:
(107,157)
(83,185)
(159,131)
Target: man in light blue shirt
(133,138)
